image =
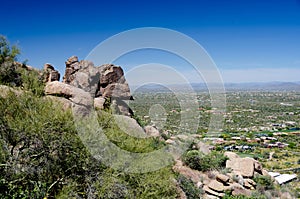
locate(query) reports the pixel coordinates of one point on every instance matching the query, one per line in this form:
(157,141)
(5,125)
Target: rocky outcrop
(82,75)
(243,166)
(238,180)
(50,74)
(104,83)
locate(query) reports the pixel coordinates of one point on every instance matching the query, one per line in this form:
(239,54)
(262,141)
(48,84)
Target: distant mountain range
(249,86)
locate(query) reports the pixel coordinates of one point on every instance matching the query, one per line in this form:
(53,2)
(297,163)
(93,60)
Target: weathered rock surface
(116,90)
(216,186)
(194,175)
(50,74)
(212,192)
(130,126)
(82,75)
(223,178)
(99,103)
(243,166)
(82,102)
(238,181)
(152,131)
(66,104)
(106,81)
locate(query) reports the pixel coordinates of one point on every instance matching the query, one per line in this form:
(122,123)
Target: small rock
(152,131)
(222,178)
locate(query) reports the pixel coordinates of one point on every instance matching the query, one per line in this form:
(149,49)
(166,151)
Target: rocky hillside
(41,155)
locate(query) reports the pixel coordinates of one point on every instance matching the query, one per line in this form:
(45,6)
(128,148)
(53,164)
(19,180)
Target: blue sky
(249,41)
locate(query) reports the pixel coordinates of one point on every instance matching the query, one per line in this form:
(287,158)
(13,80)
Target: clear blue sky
(257,40)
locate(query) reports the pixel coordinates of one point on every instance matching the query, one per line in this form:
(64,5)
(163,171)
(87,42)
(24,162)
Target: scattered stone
(199,184)
(231,155)
(248,185)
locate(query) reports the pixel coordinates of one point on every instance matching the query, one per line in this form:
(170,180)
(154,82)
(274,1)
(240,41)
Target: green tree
(8,65)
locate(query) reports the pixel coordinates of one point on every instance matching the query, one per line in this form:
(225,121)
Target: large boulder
(242,166)
(130,126)
(82,102)
(82,75)
(116,90)
(111,74)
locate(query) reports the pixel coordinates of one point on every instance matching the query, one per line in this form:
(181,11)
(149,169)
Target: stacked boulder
(50,74)
(85,86)
(238,180)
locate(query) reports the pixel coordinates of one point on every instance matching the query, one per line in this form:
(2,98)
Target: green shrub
(189,188)
(199,161)
(32,81)
(41,155)
(8,67)
(263,183)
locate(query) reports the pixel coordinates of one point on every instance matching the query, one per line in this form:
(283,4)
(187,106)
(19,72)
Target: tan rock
(231,155)
(152,131)
(72,60)
(243,166)
(116,90)
(248,185)
(204,148)
(258,167)
(216,186)
(222,178)
(250,181)
(82,101)
(130,126)
(48,66)
(212,192)
(66,104)
(99,103)
(189,173)
(111,74)
(241,191)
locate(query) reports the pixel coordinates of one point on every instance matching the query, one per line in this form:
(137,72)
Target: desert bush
(189,188)
(204,162)
(32,81)
(41,155)
(263,183)
(8,67)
